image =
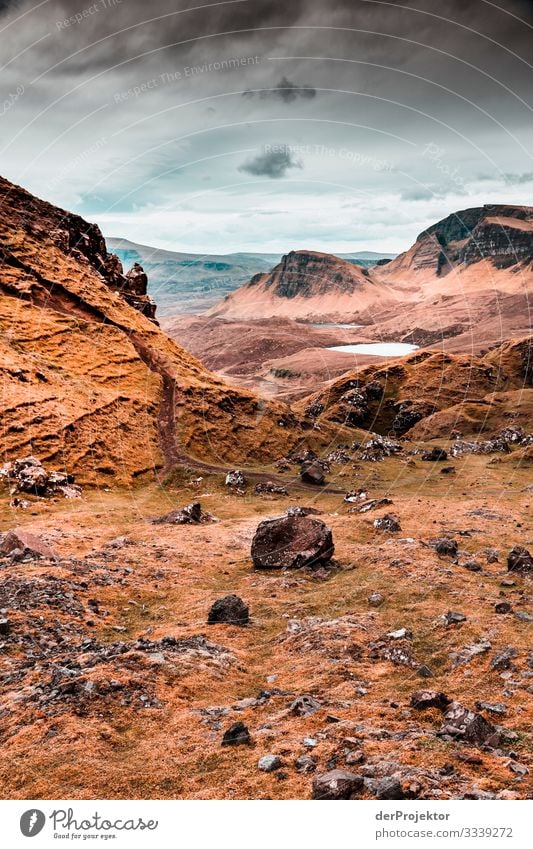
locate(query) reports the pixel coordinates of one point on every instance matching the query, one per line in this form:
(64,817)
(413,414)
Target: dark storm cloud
(271,163)
(285,90)
(397,106)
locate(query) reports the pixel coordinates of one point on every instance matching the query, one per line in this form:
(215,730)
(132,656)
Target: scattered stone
(466,725)
(518,769)
(503,660)
(468,653)
(292,542)
(236,479)
(356,495)
(237,735)
(523,616)
(389,522)
(309,742)
(492,555)
(503,607)
(304,705)
(30,476)
(337,784)
(192,514)
(371,504)
(508,438)
(5,627)
(423,699)
(25,546)
(355,757)
(451,618)
(269,763)
(400,634)
(376,599)
(519,560)
(379,447)
(507,582)
(231,609)
(338,456)
(446,547)
(472,566)
(424,671)
(303,511)
(492,707)
(389,788)
(271,488)
(305,763)
(448,470)
(313,473)
(436,455)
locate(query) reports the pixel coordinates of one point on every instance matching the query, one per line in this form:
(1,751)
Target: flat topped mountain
(308,274)
(499,233)
(89,380)
(306,285)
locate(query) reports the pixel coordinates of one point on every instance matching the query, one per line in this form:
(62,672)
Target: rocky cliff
(501,233)
(89,382)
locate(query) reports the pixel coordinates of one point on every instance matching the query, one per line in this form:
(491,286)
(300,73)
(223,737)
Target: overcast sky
(248,125)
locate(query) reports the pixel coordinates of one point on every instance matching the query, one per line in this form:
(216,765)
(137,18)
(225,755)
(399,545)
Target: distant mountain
(187,283)
(305,285)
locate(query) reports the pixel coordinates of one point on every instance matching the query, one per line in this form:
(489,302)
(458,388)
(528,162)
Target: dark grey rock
(337,784)
(269,763)
(389,788)
(237,735)
(231,609)
(423,699)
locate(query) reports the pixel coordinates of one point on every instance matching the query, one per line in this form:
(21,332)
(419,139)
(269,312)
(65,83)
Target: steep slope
(429,394)
(306,285)
(91,383)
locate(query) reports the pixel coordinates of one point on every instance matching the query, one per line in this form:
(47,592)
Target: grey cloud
(271,163)
(518,179)
(417,193)
(285,90)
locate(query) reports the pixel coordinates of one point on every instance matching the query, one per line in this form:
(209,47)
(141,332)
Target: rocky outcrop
(501,233)
(77,238)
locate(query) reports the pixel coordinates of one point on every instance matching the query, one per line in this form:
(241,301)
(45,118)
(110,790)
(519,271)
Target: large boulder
(292,542)
(26,545)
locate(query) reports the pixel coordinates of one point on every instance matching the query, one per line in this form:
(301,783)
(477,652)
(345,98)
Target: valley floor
(114,686)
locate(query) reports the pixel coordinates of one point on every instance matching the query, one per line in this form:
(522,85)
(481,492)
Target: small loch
(377,349)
